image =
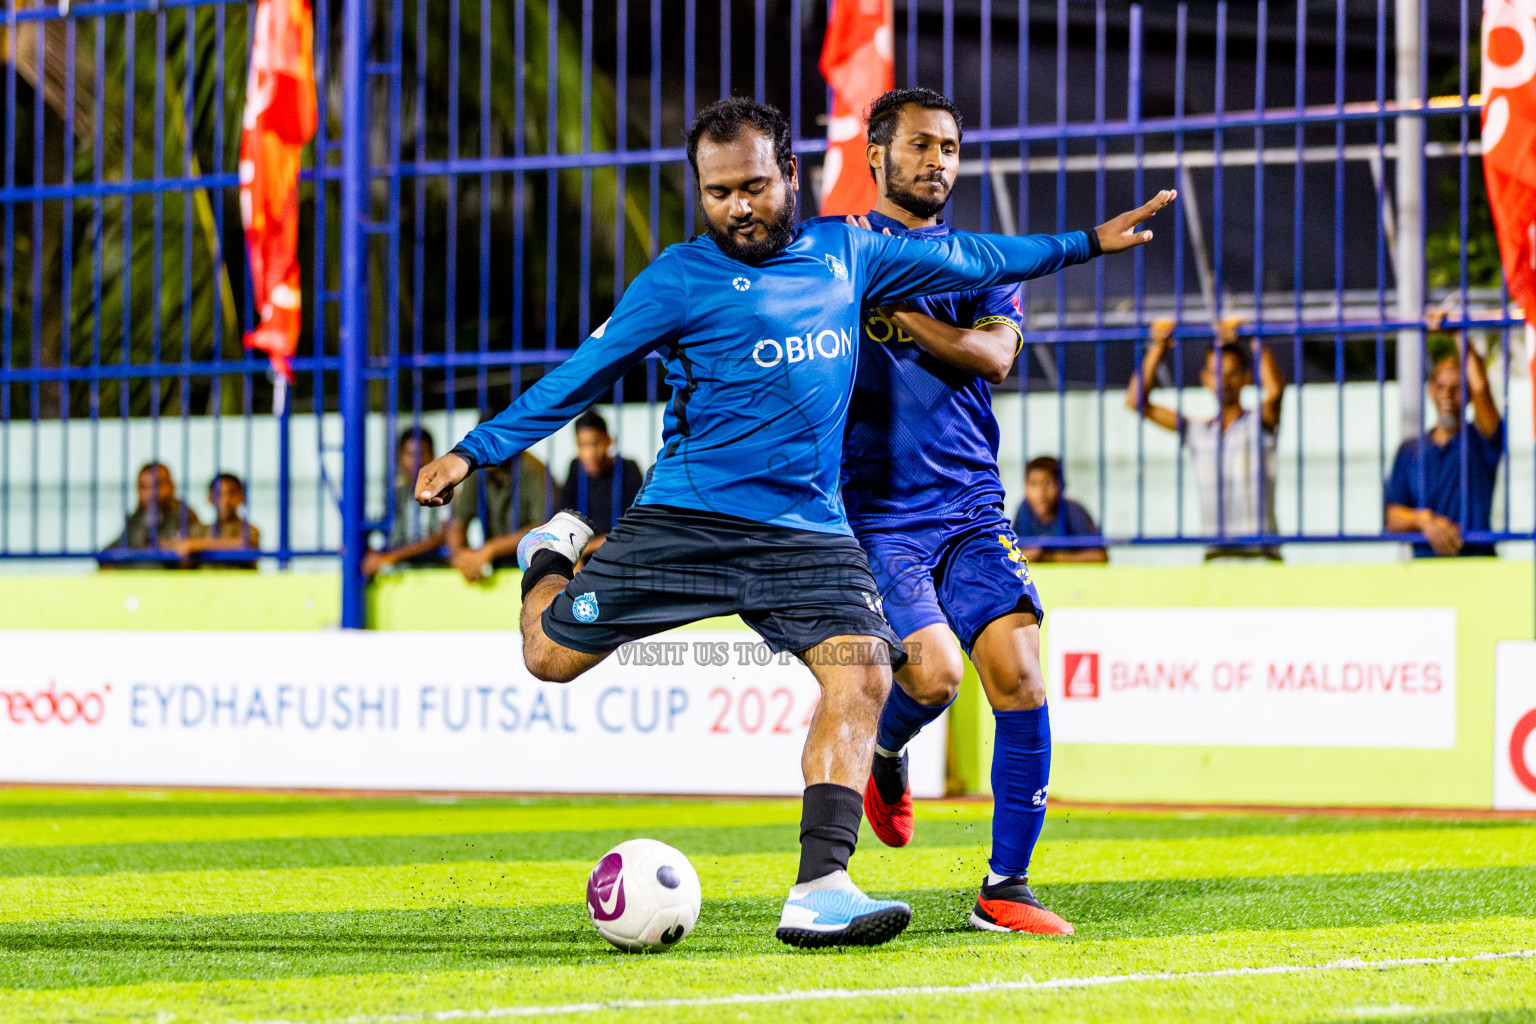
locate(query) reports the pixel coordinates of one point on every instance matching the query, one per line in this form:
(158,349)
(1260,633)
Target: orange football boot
(1010,906)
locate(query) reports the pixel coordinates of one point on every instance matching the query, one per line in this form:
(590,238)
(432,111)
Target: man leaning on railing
(1424,492)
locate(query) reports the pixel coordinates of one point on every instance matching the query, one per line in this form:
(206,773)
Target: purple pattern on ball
(605,888)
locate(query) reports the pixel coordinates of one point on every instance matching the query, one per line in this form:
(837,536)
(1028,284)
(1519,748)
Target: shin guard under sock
(903,718)
(1021,769)
(829,829)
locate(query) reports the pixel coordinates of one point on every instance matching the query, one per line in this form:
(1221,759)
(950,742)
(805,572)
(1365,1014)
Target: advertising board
(1514,726)
(693,712)
(1305,677)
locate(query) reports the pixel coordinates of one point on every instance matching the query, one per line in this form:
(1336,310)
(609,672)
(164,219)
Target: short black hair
(1044,464)
(725,120)
(591,420)
(1236,350)
(416,432)
(880,122)
(227,477)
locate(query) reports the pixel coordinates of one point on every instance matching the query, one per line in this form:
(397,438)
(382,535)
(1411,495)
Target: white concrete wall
(1139,490)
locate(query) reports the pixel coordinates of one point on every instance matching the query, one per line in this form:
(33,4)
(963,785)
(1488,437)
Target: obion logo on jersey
(1081,672)
(827,344)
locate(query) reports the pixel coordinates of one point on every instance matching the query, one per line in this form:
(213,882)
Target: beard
(780,229)
(900,191)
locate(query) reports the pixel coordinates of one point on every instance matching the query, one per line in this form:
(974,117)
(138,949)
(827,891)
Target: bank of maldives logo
(1081,672)
(836,266)
(585,607)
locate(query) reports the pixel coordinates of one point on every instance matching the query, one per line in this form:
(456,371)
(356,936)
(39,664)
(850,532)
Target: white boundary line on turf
(812,995)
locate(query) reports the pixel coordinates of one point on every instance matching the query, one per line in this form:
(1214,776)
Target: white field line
(815,995)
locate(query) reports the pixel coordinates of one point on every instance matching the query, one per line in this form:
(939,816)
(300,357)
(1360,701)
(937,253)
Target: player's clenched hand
(1123,232)
(438,478)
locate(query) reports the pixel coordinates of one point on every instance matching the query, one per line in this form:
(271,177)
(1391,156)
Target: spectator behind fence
(1247,504)
(1423,494)
(600,485)
(505,513)
(231,531)
(159,521)
(1044,512)
(416,534)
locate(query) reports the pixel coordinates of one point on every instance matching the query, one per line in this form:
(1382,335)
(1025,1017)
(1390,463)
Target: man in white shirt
(1234,453)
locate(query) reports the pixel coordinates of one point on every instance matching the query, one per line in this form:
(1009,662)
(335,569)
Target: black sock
(544,563)
(829,829)
(890,774)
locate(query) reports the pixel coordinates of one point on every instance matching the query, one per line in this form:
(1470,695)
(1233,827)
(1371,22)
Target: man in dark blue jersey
(924,497)
(756,322)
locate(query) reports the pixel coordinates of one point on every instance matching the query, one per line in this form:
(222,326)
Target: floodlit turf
(153,906)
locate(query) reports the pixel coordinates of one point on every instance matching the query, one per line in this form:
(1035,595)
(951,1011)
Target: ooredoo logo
(1082,674)
(55,705)
(1517,739)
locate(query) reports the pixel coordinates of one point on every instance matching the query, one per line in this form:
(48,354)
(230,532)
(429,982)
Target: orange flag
(858,63)
(279,119)
(1509,146)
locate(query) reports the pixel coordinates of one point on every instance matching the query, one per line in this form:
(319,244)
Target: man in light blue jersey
(925,500)
(756,322)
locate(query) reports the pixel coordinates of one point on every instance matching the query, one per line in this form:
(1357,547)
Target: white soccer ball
(643,895)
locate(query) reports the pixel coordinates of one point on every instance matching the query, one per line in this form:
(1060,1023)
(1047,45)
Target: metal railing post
(354,305)
(1410,220)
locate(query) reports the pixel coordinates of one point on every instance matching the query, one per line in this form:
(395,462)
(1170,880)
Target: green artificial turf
(154,906)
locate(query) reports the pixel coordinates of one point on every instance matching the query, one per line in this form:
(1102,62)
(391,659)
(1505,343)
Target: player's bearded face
(752,234)
(748,201)
(923,194)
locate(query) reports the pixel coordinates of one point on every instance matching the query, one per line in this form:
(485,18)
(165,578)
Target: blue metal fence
(488,177)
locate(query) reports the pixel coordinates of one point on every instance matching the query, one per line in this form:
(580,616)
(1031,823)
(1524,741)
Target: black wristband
(1094,248)
(463,453)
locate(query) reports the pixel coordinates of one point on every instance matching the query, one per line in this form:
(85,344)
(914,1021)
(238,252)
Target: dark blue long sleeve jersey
(761,360)
(921,435)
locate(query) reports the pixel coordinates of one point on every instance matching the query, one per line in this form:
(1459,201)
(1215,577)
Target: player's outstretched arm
(894,269)
(651,313)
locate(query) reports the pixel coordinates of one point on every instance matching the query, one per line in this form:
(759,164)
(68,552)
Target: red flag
(1509,145)
(857,62)
(279,119)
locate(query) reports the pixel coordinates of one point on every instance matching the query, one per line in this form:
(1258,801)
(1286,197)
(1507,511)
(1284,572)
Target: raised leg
(546,659)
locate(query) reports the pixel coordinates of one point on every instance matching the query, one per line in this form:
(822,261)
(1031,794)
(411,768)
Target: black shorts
(665,567)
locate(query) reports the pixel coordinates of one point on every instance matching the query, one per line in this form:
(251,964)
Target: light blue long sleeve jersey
(761,360)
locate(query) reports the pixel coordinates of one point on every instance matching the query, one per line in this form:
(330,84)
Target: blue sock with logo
(903,718)
(1021,768)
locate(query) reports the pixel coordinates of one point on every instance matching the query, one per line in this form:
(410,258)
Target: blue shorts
(962,568)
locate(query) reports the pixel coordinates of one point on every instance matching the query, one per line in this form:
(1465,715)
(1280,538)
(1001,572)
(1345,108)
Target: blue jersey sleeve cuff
(467,455)
(1094,249)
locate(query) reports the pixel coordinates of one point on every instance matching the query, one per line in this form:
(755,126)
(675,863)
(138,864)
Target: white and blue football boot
(567,533)
(832,911)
